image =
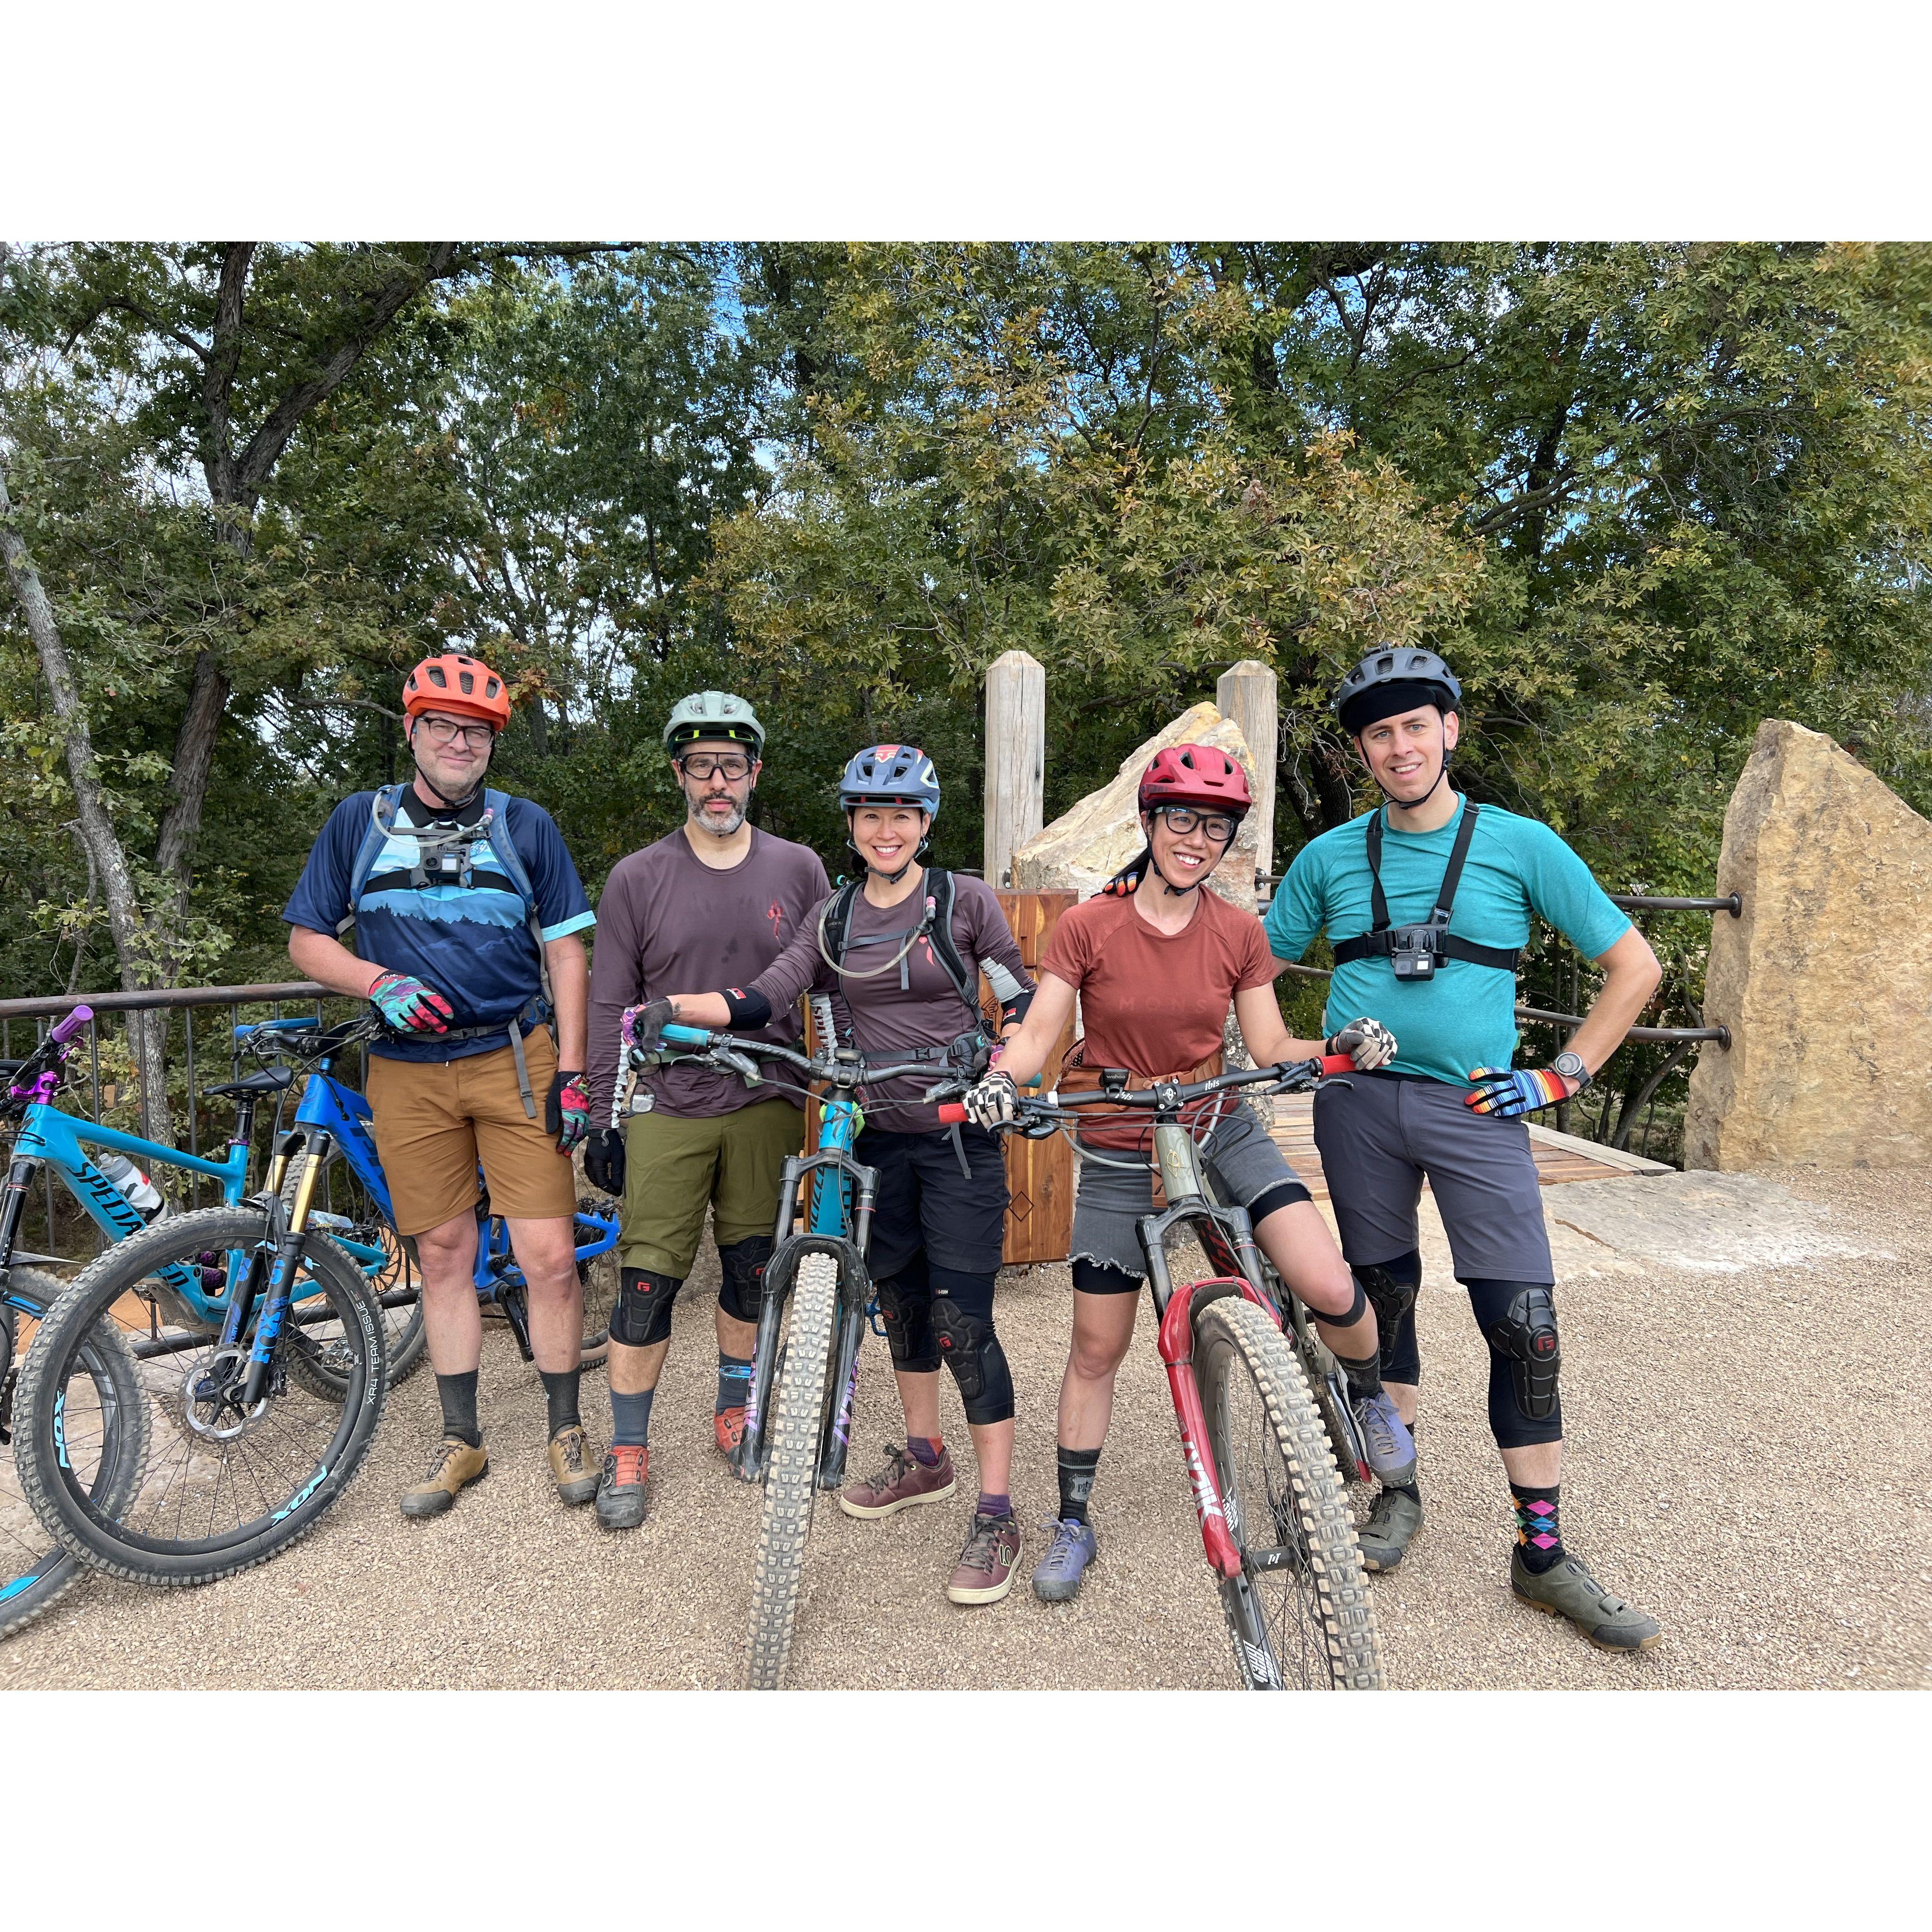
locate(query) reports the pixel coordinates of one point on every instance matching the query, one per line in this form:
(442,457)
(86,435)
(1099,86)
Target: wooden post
(1247,694)
(1015,759)
(1040,1173)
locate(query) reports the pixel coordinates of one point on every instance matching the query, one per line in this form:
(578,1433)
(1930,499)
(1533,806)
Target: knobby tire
(1305,1622)
(793,1440)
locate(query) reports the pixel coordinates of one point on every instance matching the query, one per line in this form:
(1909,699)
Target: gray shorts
(1243,1165)
(1380,1135)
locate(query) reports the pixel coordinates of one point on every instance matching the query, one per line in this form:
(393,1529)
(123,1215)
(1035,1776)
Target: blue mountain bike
(812,1315)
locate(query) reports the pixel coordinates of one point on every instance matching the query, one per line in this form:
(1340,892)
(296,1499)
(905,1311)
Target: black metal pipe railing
(1732,903)
(171,999)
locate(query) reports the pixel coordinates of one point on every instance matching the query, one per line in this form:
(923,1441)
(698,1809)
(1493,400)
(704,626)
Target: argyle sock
(1539,1533)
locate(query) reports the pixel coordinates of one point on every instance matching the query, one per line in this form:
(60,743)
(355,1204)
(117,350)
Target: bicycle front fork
(290,1249)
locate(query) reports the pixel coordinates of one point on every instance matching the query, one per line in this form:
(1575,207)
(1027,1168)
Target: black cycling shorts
(926,1201)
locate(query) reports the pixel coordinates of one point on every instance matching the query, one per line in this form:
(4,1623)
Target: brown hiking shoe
(570,1464)
(902,1482)
(985,1573)
(453,1466)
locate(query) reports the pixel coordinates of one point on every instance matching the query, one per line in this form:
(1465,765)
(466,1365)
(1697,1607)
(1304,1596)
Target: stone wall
(1826,982)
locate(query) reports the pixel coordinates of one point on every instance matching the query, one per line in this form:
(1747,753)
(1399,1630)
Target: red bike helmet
(1195,775)
(458,686)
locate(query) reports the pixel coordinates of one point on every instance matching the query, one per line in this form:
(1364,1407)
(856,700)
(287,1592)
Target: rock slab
(1826,982)
(1082,849)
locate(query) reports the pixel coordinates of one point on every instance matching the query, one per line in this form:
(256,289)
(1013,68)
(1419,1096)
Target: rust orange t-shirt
(1152,1002)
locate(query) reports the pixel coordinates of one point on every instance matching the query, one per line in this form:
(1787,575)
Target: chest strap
(1381,941)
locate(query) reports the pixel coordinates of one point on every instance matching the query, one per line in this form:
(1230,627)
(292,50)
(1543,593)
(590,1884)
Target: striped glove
(1507,1094)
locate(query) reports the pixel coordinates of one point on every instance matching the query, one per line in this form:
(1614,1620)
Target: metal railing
(59,1230)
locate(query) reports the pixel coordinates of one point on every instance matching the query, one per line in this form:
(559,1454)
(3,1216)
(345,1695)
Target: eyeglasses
(1180,819)
(446,731)
(701,765)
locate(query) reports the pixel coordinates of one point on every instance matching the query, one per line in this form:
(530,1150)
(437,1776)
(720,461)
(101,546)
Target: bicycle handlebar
(1150,1098)
(64,1031)
(700,1040)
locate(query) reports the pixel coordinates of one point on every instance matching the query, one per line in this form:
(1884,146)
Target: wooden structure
(1040,1173)
(1015,760)
(1559,1157)
(1245,693)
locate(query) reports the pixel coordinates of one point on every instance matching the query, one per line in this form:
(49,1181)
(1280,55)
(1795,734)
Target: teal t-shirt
(1463,1017)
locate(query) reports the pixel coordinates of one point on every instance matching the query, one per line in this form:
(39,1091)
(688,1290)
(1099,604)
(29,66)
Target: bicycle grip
(685,1035)
(953,1114)
(1337,1063)
(64,1030)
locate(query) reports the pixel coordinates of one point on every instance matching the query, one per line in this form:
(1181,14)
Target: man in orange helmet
(467,910)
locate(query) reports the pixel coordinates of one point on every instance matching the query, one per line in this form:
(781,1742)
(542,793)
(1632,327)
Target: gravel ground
(1738,1446)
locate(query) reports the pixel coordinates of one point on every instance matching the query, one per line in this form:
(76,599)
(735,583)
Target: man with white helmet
(712,903)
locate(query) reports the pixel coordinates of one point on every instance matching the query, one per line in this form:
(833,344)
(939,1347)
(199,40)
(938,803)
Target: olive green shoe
(453,1466)
(1567,1589)
(570,1466)
(1389,1530)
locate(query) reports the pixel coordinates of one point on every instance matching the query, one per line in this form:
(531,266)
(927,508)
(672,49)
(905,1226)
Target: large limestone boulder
(1081,849)
(1826,983)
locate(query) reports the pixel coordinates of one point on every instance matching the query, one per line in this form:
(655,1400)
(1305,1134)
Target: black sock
(1539,1531)
(1365,1377)
(560,1392)
(631,1418)
(457,1394)
(734,1380)
(1076,1482)
(1409,1489)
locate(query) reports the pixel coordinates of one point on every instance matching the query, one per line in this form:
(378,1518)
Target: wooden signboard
(1040,1173)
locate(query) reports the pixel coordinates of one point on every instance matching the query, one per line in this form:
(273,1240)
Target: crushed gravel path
(1750,1458)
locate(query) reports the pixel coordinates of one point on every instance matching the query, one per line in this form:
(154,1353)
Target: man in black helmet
(1426,901)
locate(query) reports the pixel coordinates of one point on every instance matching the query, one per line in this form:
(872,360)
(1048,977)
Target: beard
(717,830)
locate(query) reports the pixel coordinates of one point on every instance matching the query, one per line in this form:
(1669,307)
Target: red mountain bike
(1274,1519)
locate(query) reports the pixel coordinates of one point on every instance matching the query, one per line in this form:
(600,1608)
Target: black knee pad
(1519,1322)
(908,1314)
(971,1350)
(642,1315)
(742,1294)
(1391,1287)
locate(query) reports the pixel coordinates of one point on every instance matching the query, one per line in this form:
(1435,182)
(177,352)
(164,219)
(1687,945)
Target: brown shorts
(435,1119)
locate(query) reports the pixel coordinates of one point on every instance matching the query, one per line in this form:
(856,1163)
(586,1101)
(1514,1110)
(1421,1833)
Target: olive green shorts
(674,1169)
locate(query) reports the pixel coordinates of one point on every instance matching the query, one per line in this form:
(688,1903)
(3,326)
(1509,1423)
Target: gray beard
(717,831)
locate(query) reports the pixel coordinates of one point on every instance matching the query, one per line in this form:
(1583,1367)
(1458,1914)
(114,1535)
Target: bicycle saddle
(269,1080)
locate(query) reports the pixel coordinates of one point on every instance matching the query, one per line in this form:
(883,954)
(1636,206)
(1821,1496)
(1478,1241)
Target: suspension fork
(12,1204)
(837,1440)
(289,1252)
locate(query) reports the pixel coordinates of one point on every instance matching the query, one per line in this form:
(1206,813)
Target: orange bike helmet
(1195,774)
(462,687)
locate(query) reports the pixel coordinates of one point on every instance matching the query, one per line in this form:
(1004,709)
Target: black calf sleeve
(1392,1286)
(642,1316)
(962,1322)
(1518,1319)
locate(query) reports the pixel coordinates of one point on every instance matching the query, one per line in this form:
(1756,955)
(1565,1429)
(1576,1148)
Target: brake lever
(742,1064)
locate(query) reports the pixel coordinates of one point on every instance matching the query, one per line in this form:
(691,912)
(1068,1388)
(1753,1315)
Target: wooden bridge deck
(1559,1157)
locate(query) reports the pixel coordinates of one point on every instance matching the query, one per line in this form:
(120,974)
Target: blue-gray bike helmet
(891,774)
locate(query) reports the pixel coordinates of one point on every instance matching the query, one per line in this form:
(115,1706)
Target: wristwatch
(1571,1065)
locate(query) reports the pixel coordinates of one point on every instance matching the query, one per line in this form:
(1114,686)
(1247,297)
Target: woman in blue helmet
(901,955)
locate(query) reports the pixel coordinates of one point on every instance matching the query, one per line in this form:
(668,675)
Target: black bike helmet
(1393,679)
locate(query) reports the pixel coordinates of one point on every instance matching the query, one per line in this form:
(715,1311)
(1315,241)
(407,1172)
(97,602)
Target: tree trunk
(125,920)
(194,755)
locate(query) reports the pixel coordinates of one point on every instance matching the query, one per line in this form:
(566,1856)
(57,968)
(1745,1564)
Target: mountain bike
(330,1150)
(812,1317)
(1274,1519)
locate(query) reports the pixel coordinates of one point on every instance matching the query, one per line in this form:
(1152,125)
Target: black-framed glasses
(447,730)
(1180,819)
(702,765)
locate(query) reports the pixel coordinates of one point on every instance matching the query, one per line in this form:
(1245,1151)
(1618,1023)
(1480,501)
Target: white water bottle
(142,1193)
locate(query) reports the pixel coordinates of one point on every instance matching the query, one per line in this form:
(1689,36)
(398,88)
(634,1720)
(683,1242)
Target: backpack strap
(936,926)
(497,805)
(1379,943)
(382,821)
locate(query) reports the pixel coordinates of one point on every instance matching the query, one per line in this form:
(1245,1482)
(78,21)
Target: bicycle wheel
(98,1435)
(792,1439)
(342,1207)
(1299,1613)
(216,1490)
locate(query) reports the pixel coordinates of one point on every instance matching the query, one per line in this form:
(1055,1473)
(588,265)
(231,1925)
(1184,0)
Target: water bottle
(141,1192)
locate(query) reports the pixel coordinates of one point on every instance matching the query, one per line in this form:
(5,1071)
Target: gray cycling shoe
(1567,1589)
(1389,1530)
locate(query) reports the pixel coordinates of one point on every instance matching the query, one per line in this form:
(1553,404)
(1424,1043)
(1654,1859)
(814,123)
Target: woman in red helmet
(1156,968)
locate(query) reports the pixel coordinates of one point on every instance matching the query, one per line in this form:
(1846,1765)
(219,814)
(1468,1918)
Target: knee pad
(908,1315)
(1391,1287)
(742,1294)
(971,1350)
(1523,1339)
(642,1315)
